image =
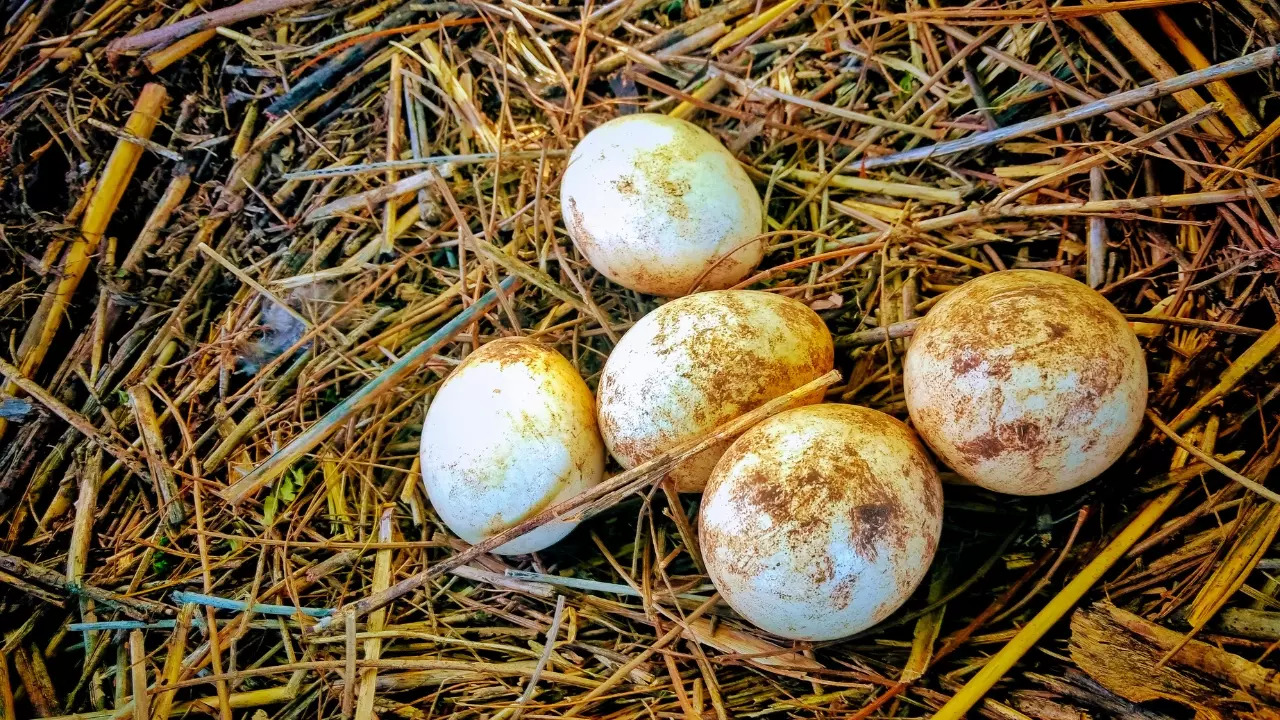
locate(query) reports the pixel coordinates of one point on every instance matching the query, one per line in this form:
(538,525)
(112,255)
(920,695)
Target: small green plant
(284,492)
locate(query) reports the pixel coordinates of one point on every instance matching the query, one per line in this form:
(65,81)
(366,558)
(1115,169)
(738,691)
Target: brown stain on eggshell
(796,487)
(510,351)
(1025,381)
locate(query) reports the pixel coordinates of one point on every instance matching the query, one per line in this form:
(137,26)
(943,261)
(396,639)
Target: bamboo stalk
(1009,655)
(106,197)
(157,61)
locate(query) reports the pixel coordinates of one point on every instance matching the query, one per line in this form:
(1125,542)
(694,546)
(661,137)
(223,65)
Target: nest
(243,246)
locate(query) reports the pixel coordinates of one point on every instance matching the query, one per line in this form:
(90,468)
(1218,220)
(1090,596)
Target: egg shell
(654,202)
(1025,382)
(511,432)
(700,361)
(821,521)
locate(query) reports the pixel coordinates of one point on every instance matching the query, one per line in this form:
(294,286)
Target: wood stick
(1249,63)
(217,18)
(599,496)
(1096,249)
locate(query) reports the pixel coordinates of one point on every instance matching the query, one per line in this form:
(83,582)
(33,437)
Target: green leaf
(269,507)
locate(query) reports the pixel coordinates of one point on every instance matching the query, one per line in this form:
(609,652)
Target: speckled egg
(1026,382)
(657,204)
(511,432)
(700,361)
(821,521)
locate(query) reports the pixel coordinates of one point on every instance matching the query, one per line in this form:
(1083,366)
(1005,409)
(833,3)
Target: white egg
(700,361)
(821,521)
(511,432)
(658,205)
(1026,382)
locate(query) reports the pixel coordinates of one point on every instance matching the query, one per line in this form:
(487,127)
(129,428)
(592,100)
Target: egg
(657,205)
(511,432)
(821,521)
(1025,382)
(700,361)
